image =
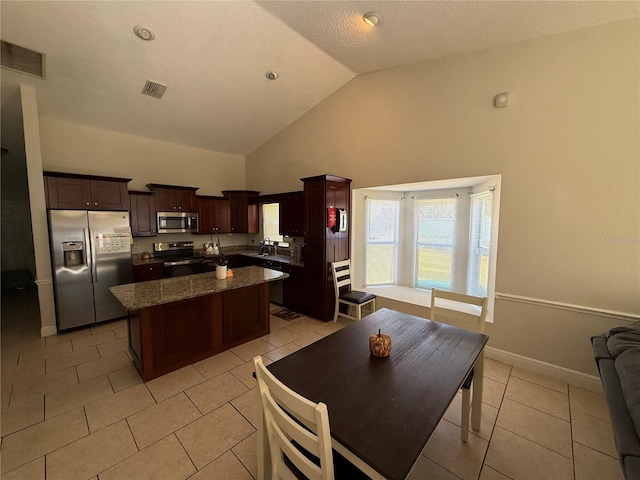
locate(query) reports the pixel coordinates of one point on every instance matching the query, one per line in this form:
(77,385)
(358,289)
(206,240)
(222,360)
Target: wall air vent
(22,60)
(153,89)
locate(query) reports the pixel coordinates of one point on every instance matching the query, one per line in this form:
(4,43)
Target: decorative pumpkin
(380,344)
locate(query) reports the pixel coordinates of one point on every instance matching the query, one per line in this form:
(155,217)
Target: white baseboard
(572,377)
(48,331)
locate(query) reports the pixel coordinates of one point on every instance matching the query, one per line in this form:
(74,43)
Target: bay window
(440,234)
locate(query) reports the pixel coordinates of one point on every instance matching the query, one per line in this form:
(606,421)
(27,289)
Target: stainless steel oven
(178,258)
(178,268)
(177,222)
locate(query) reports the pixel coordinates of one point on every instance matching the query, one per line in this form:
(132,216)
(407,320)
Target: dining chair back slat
(353,299)
(473,311)
(281,407)
(468,308)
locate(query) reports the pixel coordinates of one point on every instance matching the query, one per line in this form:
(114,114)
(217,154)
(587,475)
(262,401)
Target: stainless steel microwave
(177,222)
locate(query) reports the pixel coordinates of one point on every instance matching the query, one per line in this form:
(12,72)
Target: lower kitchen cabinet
(147,271)
(167,337)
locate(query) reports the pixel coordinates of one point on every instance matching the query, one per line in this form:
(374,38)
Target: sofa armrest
(625,435)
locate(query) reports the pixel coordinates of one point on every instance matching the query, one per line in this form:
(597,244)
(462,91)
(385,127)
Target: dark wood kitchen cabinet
(322,244)
(70,191)
(243,211)
(142,214)
(172,198)
(147,271)
(213,213)
(167,337)
(291,214)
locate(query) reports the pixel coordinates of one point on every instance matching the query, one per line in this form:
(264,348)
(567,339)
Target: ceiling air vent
(22,59)
(154,89)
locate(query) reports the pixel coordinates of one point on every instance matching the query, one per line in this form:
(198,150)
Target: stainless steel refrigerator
(90,252)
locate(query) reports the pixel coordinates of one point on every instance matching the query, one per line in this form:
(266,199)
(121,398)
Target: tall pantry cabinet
(322,244)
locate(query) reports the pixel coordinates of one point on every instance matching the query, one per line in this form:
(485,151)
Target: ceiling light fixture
(144,33)
(372,18)
(271,75)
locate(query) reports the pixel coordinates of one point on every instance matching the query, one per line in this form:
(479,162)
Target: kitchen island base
(167,337)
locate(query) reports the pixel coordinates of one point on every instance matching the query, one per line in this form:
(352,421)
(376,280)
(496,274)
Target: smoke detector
(145,33)
(271,75)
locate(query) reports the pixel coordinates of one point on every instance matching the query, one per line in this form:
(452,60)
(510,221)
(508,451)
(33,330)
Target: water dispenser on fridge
(73,254)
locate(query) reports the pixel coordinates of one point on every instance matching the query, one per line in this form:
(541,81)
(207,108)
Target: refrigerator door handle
(85,255)
(94,269)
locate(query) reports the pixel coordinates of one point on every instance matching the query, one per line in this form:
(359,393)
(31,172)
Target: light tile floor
(73,407)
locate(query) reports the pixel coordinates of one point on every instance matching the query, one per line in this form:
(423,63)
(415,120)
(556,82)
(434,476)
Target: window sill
(418,297)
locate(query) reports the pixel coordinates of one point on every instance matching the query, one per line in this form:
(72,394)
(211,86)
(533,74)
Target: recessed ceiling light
(144,33)
(372,18)
(271,75)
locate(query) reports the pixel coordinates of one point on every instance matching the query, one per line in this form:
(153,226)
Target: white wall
(76,148)
(567,148)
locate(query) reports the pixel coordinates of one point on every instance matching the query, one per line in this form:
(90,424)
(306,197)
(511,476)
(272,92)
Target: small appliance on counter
(211,248)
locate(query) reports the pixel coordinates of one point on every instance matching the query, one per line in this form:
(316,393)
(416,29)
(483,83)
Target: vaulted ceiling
(214,55)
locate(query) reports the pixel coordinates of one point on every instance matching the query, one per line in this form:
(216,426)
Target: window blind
(479,243)
(381,241)
(435,239)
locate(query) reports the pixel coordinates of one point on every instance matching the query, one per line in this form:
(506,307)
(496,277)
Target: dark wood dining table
(382,411)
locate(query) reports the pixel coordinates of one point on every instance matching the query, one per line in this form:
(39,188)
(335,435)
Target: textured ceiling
(213,56)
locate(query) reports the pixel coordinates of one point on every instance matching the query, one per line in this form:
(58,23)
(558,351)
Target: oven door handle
(181,262)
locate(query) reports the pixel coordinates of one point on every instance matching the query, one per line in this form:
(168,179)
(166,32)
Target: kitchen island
(177,321)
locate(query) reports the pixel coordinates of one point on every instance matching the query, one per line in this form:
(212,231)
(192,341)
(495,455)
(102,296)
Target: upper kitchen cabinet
(68,191)
(292,214)
(171,198)
(243,208)
(214,214)
(142,214)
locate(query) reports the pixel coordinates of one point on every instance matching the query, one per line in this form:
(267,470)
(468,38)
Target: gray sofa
(617,353)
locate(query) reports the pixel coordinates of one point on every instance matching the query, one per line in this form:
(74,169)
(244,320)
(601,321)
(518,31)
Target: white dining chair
(341,273)
(298,431)
(472,311)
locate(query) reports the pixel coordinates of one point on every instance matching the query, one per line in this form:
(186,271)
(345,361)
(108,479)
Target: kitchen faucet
(264,246)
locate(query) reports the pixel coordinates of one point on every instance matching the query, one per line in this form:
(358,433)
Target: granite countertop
(279,257)
(247,251)
(137,259)
(134,296)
